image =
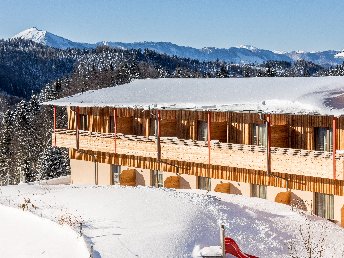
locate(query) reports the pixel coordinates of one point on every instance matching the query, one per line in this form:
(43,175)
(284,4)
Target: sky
(283,25)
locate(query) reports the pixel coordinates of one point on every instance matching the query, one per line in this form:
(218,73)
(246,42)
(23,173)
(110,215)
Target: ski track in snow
(151,222)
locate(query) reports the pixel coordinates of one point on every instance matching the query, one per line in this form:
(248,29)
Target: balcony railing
(283,160)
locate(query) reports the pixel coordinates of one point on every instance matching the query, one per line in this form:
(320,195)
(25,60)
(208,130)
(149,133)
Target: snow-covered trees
(52,163)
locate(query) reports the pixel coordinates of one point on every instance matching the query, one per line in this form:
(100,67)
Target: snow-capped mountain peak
(248,47)
(33,34)
(49,39)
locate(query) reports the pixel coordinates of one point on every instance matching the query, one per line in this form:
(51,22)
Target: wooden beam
(268,144)
(77,126)
(209,137)
(158,134)
(334,146)
(115,127)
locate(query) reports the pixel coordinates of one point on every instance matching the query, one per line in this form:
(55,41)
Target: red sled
(231,247)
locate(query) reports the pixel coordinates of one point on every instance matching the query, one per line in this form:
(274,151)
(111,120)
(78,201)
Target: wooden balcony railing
(283,160)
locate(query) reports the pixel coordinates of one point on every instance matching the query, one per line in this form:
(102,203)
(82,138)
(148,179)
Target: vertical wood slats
(301,127)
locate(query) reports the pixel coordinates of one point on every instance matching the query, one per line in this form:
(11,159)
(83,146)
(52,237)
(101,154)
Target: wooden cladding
(292,161)
(252,176)
(287,130)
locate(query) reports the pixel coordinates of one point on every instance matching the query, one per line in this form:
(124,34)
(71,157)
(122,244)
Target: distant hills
(238,55)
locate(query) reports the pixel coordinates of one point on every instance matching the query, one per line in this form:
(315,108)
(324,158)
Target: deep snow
(26,235)
(151,222)
(272,95)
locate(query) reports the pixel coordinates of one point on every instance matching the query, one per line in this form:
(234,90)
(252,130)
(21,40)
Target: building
(274,138)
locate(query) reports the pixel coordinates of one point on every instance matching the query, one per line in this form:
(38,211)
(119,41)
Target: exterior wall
(280,136)
(104,174)
(84,172)
(143,177)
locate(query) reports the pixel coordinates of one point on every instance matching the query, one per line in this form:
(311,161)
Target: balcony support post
(115,127)
(334,146)
(77,121)
(158,134)
(55,126)
(209,138)
(268,144)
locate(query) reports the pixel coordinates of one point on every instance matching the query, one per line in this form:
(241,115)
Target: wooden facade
(294,160)
(288,130)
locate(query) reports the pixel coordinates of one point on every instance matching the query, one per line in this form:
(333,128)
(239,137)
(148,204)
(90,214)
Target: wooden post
(222,239)
(268,145)
(77,121)
(115,128)
(227,127)
(209,138)
(334,146)
(147,127)
(158,133)
(55,126)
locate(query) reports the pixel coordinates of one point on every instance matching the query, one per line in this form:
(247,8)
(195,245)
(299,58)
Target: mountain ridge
(243,54)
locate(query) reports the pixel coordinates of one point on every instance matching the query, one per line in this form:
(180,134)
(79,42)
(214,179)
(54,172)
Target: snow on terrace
(323,95)
(155,222)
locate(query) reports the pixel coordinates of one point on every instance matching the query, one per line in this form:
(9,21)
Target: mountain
(49,39)
(238,55)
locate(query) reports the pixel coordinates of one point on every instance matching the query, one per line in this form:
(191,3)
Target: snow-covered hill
(49,39)
(158,222)
(242,54)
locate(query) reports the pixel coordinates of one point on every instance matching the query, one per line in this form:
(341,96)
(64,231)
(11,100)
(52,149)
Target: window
(152,126)
(83,122)
(259,134)
(258,191)
(324,205)
(111,125)
(116,171)
(204,183)
(157,178)
(202,129)
(323,138)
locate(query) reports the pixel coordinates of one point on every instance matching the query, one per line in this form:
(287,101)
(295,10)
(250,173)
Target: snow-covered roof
(323,95)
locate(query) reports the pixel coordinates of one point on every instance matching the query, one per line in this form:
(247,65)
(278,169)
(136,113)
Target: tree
(52,163)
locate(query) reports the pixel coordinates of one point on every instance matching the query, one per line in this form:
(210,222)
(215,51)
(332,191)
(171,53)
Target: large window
(323,138)
(111,125)
(83,125)
(324,205)
(259,134)
(258,191)
(116,171)
(202,130)
(204,183)
(157,178)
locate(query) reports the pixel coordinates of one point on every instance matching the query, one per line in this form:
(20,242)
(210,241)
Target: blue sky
(270,24)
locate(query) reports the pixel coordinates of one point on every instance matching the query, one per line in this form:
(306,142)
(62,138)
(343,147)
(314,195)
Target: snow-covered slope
(242,54)
(26,235)
(156,222)
(340,55)
(324,58)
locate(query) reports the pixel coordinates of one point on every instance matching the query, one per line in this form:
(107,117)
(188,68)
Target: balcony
(283,160)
